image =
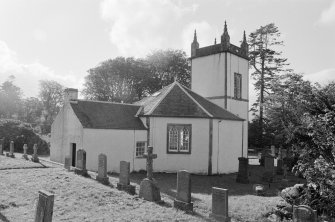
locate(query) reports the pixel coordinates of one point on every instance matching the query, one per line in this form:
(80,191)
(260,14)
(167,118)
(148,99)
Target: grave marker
(1,146)
(242,176)
(34,158)
(67,163)
(25,156)
(259,189)
(81,163)
(149,189)
(304,213)
(44,207)
(11,150)
(102,169)
(124,182)
(280,167)
(219,204)
(183,199)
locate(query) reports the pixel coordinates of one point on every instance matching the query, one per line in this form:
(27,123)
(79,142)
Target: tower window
(237,86)
(179,138)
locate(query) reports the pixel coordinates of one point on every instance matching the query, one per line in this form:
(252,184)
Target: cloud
(323,77)
(27,76)
(140,26)
(328,15)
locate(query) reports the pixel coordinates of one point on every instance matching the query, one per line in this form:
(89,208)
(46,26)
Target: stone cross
(304,213)
(102,169)
(124,182)
(25,156)
(34,158)
(149,156)
(220,204)
(285,168)
(44,207)
(183,199)
(1,146)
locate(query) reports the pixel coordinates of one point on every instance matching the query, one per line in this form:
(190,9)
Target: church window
(140,149)
(237,86)
(179,138)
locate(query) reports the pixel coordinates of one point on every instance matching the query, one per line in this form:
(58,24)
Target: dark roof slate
(176,100)
(107,115)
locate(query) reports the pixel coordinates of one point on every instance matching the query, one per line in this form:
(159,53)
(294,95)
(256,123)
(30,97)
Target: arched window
(173,139)
(185,140)
(179,138)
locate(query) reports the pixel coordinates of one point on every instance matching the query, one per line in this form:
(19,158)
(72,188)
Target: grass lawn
(83,199)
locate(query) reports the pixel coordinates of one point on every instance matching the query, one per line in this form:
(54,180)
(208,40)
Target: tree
(266,62)
(10,98)
(31,110)
(51,96)
(168,65)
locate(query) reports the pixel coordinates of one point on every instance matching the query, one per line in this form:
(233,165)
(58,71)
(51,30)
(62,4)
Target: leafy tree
(267,64)
(31,110)
(51,96)
(10,98)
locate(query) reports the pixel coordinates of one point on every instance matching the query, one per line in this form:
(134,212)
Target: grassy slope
(83,199)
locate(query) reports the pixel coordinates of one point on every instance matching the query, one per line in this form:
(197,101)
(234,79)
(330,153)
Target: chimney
(70,94)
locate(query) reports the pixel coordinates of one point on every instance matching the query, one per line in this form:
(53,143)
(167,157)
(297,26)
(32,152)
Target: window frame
(136,156)
(180,129)
(240,86)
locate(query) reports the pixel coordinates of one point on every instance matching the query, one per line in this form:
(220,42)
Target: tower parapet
(223,46)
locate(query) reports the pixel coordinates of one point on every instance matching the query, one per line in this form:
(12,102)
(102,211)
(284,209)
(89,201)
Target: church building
(203,129)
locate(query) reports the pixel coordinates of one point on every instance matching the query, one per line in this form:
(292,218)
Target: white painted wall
(65,129)
(118,145)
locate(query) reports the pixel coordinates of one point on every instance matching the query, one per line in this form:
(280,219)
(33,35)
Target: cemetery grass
(84,199)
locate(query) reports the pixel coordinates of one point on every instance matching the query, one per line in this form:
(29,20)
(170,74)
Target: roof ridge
(194,100)
(108,102)
(161,99)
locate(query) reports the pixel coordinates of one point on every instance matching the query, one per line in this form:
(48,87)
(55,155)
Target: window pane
(140,149)
(185,140)
(173,139)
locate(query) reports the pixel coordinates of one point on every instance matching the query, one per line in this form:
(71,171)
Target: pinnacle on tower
(225,38)
(215,41)
(244,45)
(194,45)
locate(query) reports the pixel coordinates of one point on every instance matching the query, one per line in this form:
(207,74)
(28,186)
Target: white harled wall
(65,129)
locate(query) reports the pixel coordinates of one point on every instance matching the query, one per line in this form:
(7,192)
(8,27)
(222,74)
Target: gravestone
(11,150)
(25,156)
(124,182)
(279,168)
(219,204)
(183,199)
(242,176)
(44,209)
(269,167)
(102,169)
(67,163)
(80,168)
(34,157)
(304,213)
(1,146)
(259,189)
(149,189)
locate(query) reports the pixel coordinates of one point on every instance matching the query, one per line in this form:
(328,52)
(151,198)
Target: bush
(21,133)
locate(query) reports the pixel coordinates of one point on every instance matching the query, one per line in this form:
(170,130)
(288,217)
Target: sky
(60,39)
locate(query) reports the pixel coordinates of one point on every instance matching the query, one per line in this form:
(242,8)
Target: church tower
(220,72)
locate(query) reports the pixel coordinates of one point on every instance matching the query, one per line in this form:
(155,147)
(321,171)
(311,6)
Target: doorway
(74,152)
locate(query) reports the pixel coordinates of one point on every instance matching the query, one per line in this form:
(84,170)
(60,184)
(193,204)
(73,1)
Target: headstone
(219,204)
(25,156)
(273,150)
(34,158)
(102,169)
(44,207)
(269,163)
(242,176)
(280,167)
(124,182)
(11,150)
(285,169)
(183,199)
(149,189)
(81,163)
(67,163)
(1,146)
(304,213)
(259,189)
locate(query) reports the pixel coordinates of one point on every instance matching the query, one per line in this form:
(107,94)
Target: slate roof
(107,115)
(176,100)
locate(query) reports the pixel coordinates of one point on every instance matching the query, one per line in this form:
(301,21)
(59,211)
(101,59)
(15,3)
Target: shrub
(21,133)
